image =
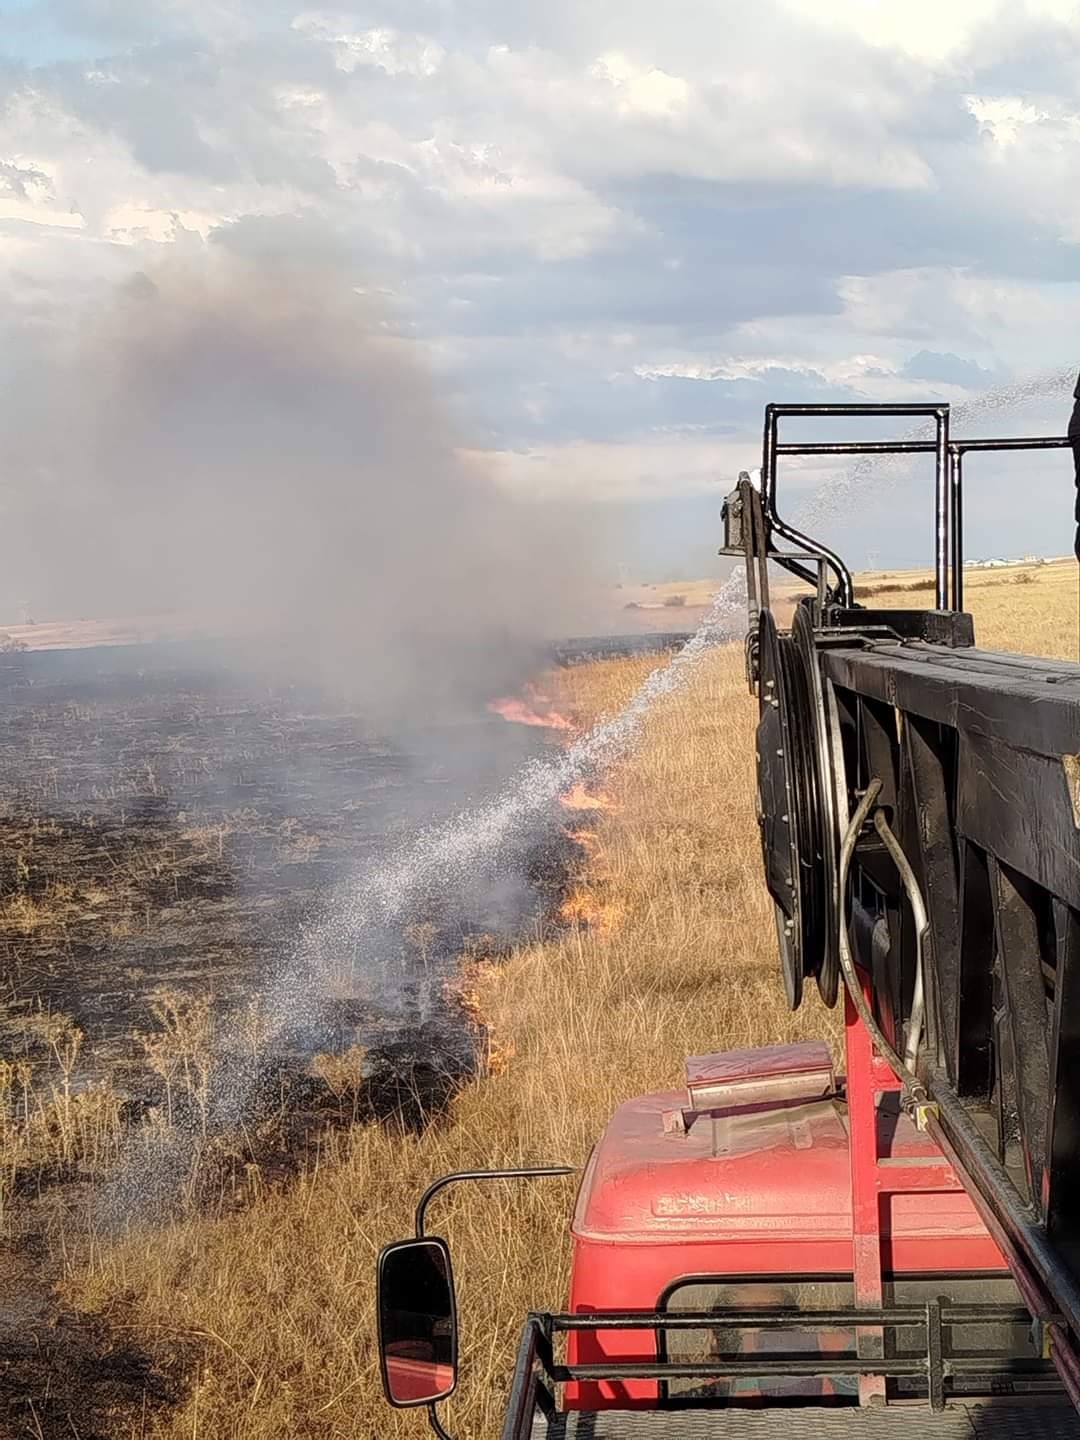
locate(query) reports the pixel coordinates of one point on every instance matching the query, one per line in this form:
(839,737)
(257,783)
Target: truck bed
(1002,1420)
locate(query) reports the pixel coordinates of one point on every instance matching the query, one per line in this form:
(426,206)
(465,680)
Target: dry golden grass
(45,1122)
(1031,608)
(180,1049)
(277,1301)
(670,595)
(281,1296)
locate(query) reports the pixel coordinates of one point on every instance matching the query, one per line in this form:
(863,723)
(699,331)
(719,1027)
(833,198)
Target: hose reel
(796,813)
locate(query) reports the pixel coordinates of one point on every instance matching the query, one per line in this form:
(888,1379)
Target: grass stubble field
(256,1320)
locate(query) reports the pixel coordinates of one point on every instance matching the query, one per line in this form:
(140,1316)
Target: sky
(614,230)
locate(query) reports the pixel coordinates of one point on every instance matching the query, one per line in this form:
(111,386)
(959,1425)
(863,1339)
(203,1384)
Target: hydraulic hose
(916,1092)
(918,909)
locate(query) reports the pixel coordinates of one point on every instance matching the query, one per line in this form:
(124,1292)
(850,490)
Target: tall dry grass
(47,1125)
(279,1299)
(276,1303)
(1032,608)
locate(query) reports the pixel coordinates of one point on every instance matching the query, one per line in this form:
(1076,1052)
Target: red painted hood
(781,1173)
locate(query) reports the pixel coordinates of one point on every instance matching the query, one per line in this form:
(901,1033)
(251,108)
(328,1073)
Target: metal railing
(948,482)
(929,1357)
(772,450)
(957,450)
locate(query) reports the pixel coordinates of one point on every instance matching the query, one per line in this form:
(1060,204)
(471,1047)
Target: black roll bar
(948,482)
(939,447)
(957,450)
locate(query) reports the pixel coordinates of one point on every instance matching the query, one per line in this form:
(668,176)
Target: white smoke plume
(250,442)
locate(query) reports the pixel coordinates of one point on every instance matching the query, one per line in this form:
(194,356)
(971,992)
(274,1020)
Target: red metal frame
(874,1178)
(629,1250)
(863,1089)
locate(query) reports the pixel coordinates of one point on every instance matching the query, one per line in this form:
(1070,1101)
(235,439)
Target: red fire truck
(897,1242)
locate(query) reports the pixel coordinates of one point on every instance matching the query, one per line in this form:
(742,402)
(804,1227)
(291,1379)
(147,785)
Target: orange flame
(581,797)
(589,841)
(468,990)
(587,910)
(531,708)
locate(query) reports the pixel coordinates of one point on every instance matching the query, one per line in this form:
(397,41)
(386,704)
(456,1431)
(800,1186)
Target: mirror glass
(417,1322)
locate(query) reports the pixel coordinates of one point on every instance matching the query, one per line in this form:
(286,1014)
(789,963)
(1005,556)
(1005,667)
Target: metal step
(993,1420)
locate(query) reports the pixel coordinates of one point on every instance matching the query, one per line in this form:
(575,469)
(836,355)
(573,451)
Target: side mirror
(417,1322)
(418,1347)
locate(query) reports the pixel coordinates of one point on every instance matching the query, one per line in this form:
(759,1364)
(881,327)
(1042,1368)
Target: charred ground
(169,823)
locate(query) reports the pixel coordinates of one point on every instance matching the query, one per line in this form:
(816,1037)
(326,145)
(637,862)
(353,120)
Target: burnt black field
(172,819)
(169,819)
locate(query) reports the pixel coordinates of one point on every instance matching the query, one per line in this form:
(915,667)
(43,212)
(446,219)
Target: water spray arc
(899,770)
(360,925)
(454,852)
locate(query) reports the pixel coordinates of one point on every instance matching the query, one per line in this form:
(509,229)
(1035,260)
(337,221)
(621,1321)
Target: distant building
(994,562)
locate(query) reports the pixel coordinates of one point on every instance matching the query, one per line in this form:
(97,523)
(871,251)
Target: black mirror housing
(417,1314)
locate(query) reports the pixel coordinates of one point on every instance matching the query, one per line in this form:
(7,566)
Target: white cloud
(618,222)
(382,47)
(928,30)
(988,312)
(21,210)
(130,224)
(630,471)
(638,90)
(1004,117)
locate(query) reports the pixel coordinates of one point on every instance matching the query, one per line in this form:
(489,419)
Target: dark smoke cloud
(250,442)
